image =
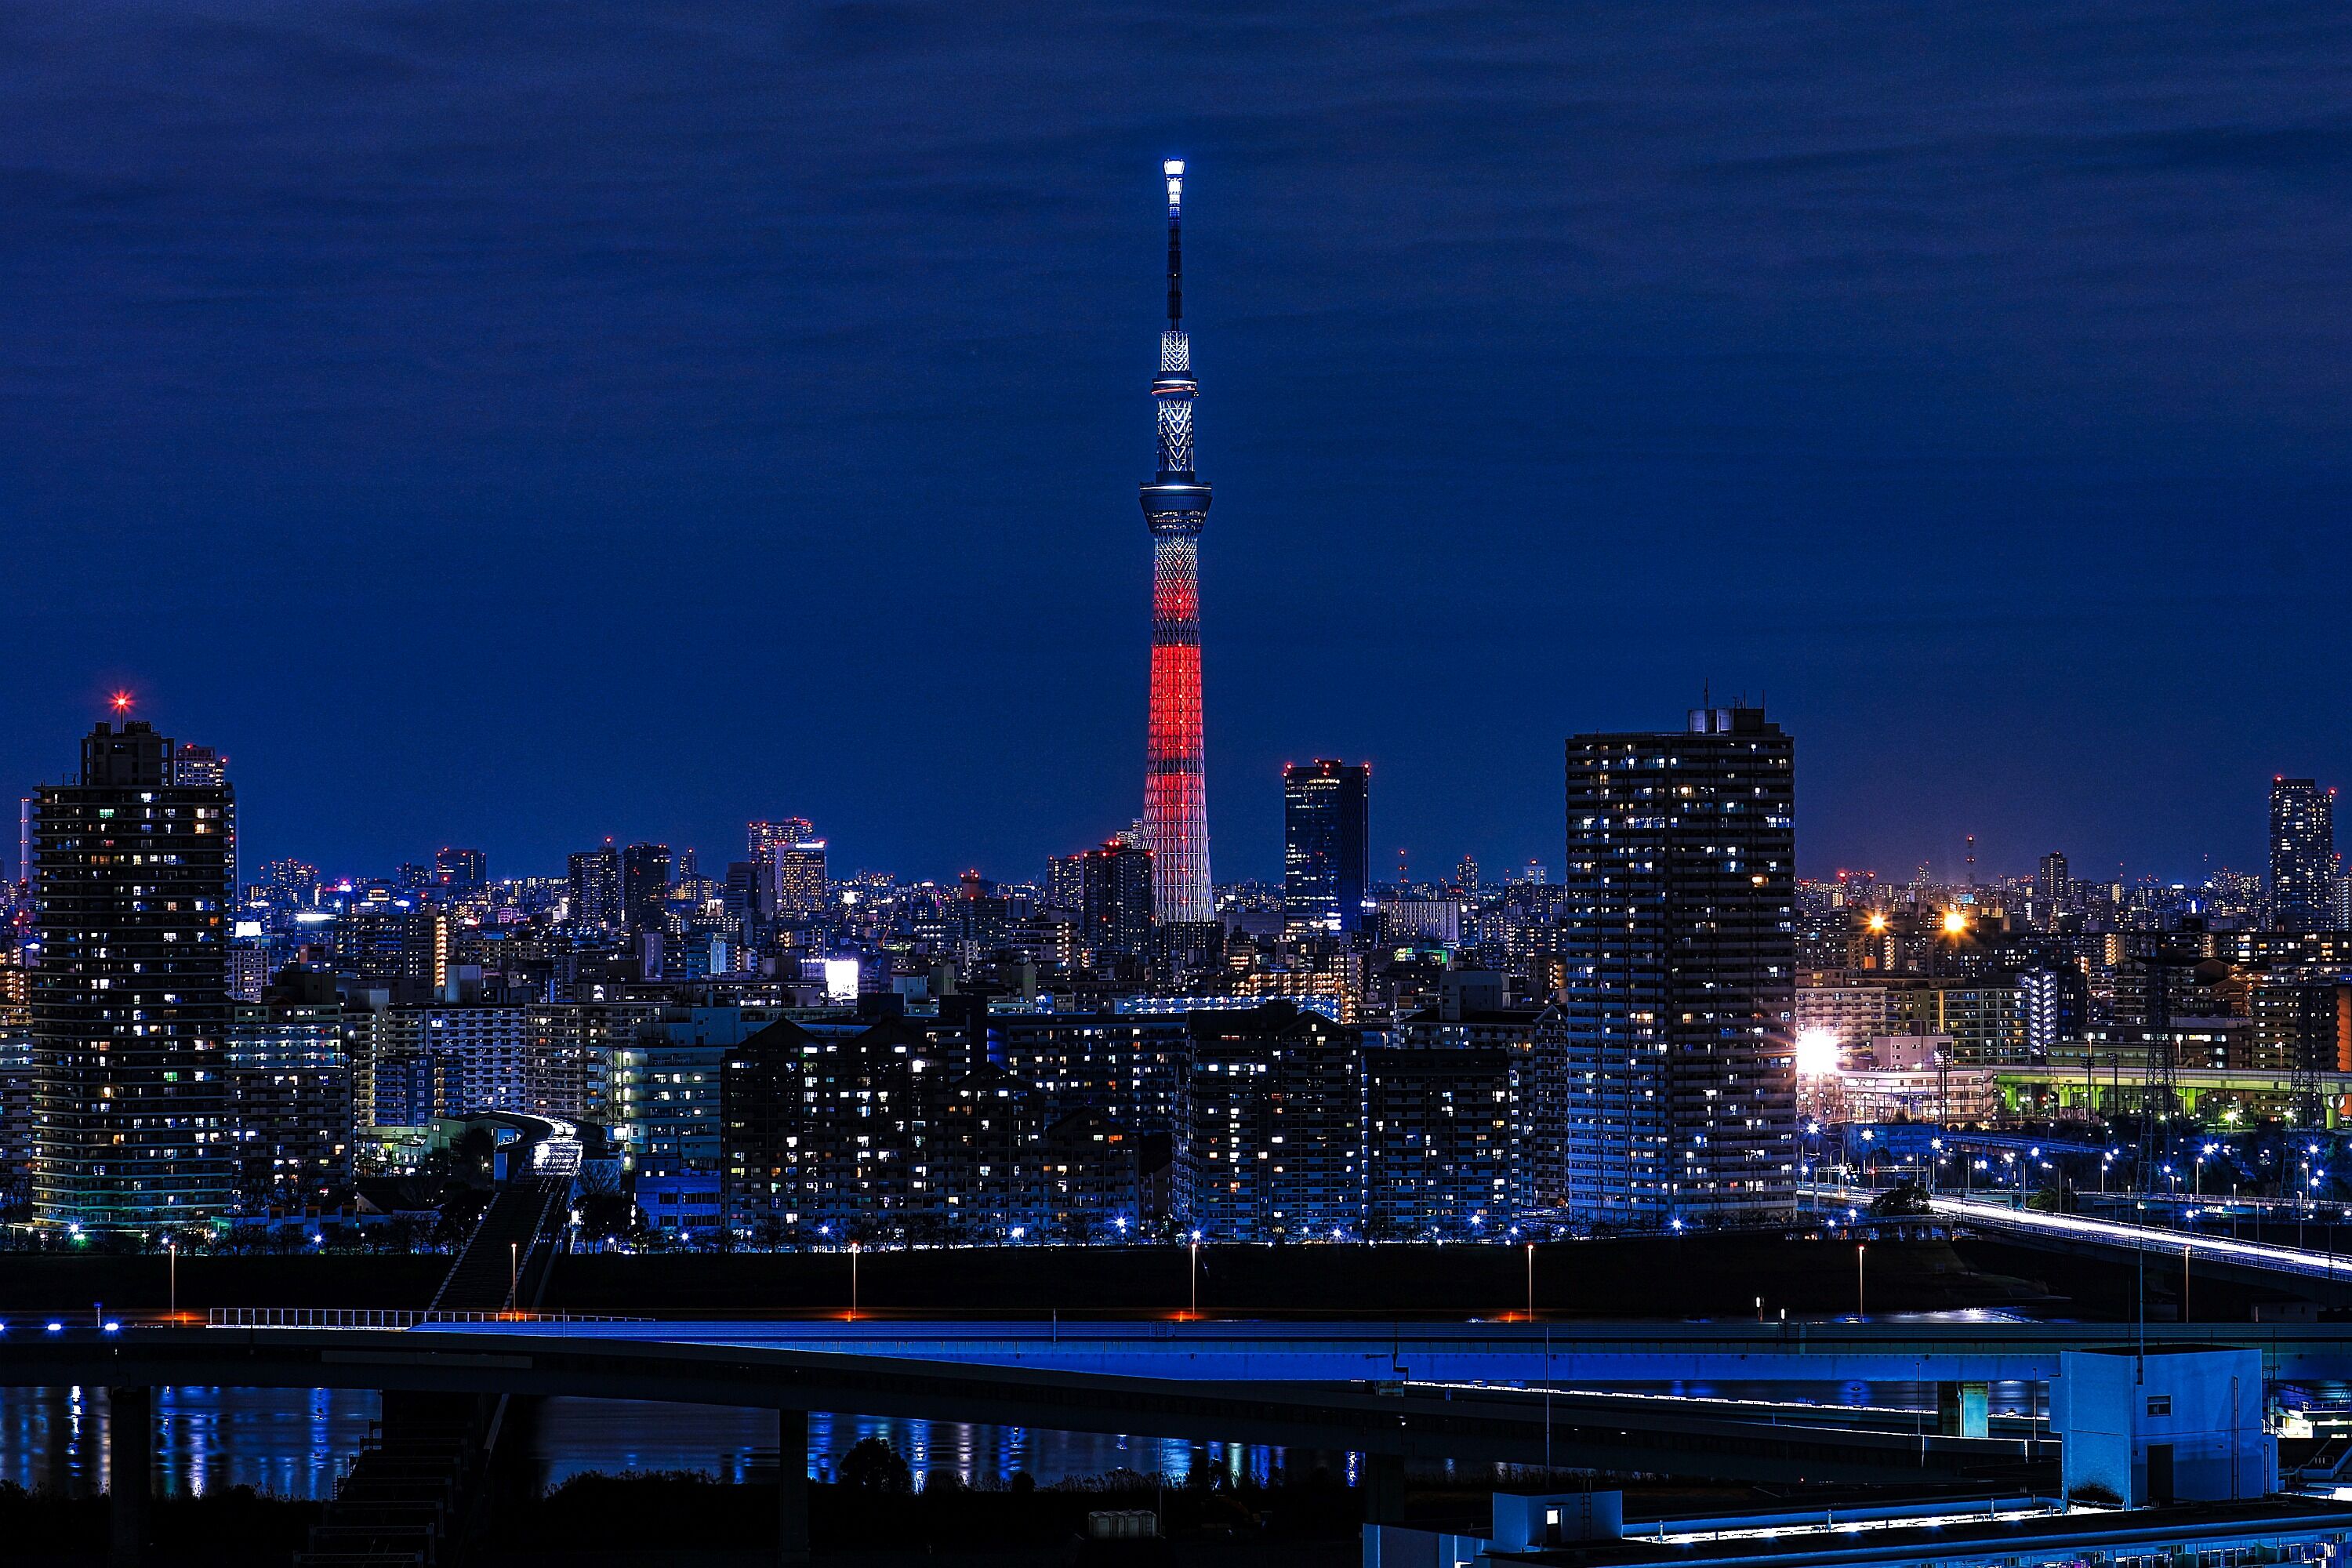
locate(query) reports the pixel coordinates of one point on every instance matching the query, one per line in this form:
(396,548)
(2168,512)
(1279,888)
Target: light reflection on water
(295,1442)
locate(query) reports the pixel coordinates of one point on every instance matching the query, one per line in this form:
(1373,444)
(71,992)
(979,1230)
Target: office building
(796,877)
(1680,946)
(1175,507)
(596,888)
(644,887)
(766,837)
(461,871)
(131,1009)
(1326,845)
(2302,855)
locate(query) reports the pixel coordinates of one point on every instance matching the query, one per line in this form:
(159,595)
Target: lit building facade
(290,1112)
(796,879)
(1440,1142)
(1114,903)
(131,1009)
(596,888)
(1680,940)
(2302,855)
(1326,844)
(1273,1144)
(644,887)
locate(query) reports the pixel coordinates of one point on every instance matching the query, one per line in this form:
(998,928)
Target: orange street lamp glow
(1877,922)
(1955,923)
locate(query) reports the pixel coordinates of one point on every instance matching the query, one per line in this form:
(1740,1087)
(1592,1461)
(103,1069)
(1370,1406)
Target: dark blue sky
(514,424)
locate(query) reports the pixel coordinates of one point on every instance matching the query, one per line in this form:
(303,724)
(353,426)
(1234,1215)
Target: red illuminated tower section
(1175,505)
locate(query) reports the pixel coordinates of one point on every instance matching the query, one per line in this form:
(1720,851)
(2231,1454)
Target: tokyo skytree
(1175,505)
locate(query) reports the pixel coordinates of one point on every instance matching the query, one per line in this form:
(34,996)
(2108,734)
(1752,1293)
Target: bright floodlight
(1955,923)
(1173,168)
(1817,1054)
(1877,921)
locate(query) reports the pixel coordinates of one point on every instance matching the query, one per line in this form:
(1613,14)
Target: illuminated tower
(1175,505)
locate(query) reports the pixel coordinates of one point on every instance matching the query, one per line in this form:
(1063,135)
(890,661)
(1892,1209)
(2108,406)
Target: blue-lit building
(1326,844)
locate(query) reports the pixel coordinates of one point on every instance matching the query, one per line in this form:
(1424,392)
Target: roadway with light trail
(2264,1256)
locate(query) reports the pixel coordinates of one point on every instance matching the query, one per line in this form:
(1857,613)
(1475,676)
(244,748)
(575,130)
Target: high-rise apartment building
(1274,1147)
(2302,855)
(2051,883)
(1326,844)
(1679,937)
(1065,876)
(1175,508)
(290,1112)
(597,888)
(402,950)
(1113,902)
(644,887)
(130,1000)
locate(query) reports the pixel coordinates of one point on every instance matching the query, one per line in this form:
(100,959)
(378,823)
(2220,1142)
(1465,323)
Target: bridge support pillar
(130,1460)
(792,1489)
(1383,1489)
(1963,1409)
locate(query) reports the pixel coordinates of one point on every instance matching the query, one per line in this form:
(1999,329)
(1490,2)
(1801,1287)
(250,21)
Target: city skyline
(1476,418)
(585,970)
(1967,860)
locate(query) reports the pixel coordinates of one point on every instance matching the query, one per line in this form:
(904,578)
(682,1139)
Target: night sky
(512,424)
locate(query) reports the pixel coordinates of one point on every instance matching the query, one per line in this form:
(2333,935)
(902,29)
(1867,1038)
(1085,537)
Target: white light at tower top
(1175,169)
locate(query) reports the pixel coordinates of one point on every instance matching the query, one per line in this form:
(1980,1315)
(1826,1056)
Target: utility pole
(1860,1315)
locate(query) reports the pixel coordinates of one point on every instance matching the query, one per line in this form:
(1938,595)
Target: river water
(295,1442)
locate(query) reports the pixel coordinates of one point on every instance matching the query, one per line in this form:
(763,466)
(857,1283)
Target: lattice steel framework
(1175,505)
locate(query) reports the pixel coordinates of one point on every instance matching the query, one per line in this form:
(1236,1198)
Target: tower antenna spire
(1173,168)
